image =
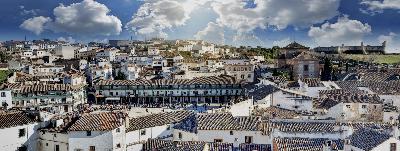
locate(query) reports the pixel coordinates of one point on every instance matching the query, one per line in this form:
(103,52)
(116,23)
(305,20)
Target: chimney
(126,121)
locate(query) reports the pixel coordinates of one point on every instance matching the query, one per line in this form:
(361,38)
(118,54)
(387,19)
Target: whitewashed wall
(10,140)
(48,141)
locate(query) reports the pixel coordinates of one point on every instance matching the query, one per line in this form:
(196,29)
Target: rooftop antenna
(294,36)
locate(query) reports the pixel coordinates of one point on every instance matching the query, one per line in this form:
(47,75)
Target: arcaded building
(214,89)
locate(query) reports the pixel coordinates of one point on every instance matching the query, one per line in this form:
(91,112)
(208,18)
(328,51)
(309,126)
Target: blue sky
(234,22)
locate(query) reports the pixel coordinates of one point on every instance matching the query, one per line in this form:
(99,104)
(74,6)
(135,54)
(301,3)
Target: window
(111,93)
(92,148)
(57,147)
(143,132)
(168,127)
(3,94)
(118,145)
(116,93)
(47,144)
(117,130)
(21,132)
(364,106)
(348,106)
(88,133)
(305,67)
(217,140)
(393,146)
(180,135)
(248,139)
(231,132)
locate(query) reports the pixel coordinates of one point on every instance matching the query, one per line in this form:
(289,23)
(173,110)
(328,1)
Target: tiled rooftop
(306,144)
(368,138)
(103,121)
(12,119)
(213,80)
(158,119)
(275,112)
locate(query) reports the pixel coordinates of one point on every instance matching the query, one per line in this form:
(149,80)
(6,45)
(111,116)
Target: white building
(58,98)
(98,131)
(346,107)
(108,54)
(222,127)
(131,71)
(243,72)
(66,51)
(5,98)
(18,132)
(152,51)
(89,131)
(160,125)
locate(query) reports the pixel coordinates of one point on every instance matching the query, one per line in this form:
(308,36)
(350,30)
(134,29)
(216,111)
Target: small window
(248,139)
(393,146)
(88,133)
(143,132)
(111,93)
(348,106)
(47,144)
(21,132)
(305,67)
(117,130)
(168,127)
(231,132)
(118,145)
(3,94)
(217,140)
(57,147)
(180,135)
(92,148)
(364,106)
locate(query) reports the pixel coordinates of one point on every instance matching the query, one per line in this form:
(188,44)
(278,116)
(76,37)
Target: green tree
(4,57)
(120,76)
(291,76)
(326,74)
(275,72)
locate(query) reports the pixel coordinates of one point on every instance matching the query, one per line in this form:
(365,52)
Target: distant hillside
(389,59)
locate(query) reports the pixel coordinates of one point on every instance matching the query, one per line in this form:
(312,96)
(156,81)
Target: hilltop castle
(352,49)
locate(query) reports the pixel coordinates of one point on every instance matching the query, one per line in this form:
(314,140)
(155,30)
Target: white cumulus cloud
(344,31)
(212,33)
(378,6)
(243,19)
(392,42)
(67,39)
(85,18)
(156,16)
(35,24)
(276,13)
